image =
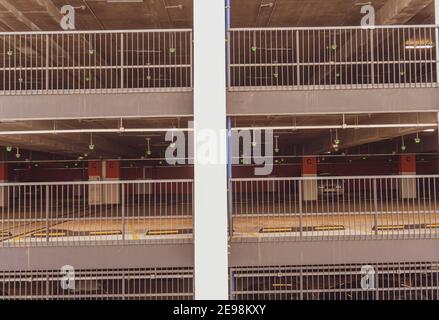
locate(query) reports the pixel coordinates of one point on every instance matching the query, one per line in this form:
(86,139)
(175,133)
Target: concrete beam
(160,255)
(333,101)
(96,106)
(19,15)
(51,9)
(290,253)
(400,11)
(242,254)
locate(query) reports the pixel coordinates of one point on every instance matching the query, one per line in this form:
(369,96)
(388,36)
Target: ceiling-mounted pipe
(71,131)
(345,126)
(150,130)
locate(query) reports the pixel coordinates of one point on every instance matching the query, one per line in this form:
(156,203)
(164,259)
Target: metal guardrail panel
(259,58)
(112,284)
(333,58)
(338,208)
(81,213)
(390,281)
(95,62)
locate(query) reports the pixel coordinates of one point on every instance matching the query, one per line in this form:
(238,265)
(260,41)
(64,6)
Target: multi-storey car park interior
(84,119)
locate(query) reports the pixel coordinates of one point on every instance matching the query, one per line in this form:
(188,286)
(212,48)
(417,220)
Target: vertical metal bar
(300,209)
(47,63)
(375,204)
(372,58)
(122,70)
(436,32)
(230,174)
(232,285)
(298,57)
(47,212)
(123,211)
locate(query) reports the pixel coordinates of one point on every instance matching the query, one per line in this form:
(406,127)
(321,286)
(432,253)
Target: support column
(95,174)
(106,170)
(3,179)
(407,186)
(111,172)
(210,224)
(309,187)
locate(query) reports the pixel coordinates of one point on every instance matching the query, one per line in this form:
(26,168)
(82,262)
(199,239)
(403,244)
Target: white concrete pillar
(95,190)
(407,186)
(111,172)
(106,170)
(210,191)
(309,187)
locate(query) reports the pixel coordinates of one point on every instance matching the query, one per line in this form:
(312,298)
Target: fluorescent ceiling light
(429,130)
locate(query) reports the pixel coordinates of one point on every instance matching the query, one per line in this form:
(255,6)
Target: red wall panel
(112,169)
(95,168)
(3,171)
(407,163)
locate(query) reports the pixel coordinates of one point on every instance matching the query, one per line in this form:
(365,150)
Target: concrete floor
(264,220)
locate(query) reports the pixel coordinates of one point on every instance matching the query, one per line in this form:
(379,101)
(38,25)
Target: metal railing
(101,212)
(259,58)
(333,57)
(95,61)
(317,208)
(386,281)
(113,284)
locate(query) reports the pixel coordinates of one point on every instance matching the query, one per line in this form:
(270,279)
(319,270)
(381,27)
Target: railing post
(301,283)
(123,211)
(193,210)
(375,205)
(191,48)
(123,285)
(47,62)
(436,32)
(300,210)
(372,58)
(230,176)
(228,60)
(232,285)
(47,212)
(298,57)
(122,60)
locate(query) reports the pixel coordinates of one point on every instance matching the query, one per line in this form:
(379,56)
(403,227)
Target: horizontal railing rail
(333,57)
(320,208)
(95,61)
(95,212)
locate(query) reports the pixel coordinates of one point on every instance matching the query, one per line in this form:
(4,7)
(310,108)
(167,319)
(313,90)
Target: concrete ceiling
(23,15)
(134,145)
